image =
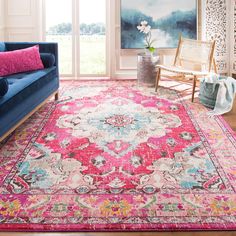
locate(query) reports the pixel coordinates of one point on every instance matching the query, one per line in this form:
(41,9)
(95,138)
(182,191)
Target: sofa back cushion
(22,60)
(3,86)
(48,59)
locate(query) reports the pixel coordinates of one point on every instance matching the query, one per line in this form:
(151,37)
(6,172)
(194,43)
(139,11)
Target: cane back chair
(193,58)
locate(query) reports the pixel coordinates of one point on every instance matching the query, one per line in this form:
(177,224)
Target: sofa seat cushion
(22,85)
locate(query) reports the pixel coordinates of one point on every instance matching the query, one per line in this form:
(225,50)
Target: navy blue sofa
(27,91)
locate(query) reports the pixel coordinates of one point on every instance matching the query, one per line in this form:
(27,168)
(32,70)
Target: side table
(146,72)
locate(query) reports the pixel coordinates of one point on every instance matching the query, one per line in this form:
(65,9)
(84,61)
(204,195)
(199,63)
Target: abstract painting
(167,18)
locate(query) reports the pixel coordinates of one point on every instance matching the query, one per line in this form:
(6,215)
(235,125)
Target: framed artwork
(167,18)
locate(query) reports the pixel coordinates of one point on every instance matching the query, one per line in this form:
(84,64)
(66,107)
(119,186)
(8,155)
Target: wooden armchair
(193,58)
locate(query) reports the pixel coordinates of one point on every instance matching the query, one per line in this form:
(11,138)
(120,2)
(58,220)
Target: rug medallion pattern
(114,156)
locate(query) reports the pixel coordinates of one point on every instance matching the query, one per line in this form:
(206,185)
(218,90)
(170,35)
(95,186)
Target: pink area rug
(111,156)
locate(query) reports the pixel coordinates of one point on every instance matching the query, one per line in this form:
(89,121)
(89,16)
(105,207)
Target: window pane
(59,29)
(92,37)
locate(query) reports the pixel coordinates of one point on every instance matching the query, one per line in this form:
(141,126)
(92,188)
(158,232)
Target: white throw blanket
(225,95)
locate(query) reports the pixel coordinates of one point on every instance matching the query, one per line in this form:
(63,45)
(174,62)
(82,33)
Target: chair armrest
(44,47)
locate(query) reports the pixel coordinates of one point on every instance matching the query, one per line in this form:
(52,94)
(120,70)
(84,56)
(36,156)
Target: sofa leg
(194,86)
(56,96)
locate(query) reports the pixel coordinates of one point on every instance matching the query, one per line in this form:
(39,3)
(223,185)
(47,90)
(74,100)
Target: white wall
(22,20)
(2,19)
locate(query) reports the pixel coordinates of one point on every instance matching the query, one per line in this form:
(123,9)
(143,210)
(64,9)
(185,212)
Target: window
(81,52)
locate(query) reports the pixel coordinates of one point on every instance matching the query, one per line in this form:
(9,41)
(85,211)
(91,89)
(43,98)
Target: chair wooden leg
(194,86)
(214,64)
(158,78)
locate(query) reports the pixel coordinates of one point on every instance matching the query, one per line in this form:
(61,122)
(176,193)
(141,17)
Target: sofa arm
(44,47)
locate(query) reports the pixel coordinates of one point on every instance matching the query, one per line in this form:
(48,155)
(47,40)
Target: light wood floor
(231,119)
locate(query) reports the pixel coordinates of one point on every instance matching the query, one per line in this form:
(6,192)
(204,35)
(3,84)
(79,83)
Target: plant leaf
(151,49)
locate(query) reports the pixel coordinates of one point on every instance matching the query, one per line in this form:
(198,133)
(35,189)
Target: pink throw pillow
(22,60)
